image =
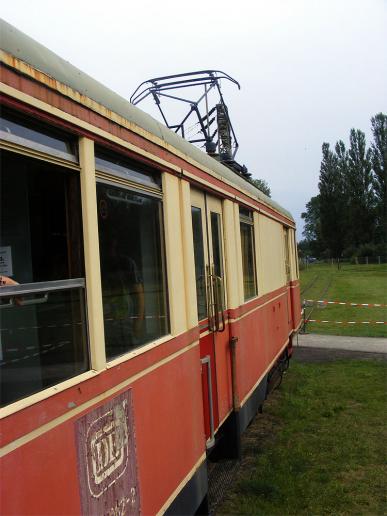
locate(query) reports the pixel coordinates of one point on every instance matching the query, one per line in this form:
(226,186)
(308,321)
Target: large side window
(200,267)
(287,255)
(248,254)
(132,263)
(43,337)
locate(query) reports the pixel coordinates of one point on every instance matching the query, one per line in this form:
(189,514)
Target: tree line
(348,217)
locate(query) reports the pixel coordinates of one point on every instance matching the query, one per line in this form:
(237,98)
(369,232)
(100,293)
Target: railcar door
(207,226)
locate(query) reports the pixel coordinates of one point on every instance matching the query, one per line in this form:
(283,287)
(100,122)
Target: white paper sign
(6,260)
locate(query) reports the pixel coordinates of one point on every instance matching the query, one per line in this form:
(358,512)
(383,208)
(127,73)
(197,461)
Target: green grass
(352,283)
(324,451)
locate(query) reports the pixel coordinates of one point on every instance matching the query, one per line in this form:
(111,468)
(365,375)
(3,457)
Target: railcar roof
(21,46)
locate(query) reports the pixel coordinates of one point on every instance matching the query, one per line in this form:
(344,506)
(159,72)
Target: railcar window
(216,233)
(132,268)
(120,166)
(295,254)
(248,254)
(42,318)
(33,134)
(200,268)
(287,256)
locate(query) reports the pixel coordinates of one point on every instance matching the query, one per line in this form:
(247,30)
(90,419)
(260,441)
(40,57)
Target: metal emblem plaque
(107,459)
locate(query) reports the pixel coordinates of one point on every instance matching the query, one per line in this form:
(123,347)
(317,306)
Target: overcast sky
(309,70)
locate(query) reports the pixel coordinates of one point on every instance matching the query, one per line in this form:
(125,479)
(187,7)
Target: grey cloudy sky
(309,69)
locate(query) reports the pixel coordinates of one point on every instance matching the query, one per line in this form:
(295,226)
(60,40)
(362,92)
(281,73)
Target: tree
(379,166)
(312,227)
(332,202)
(359,193)
(262,185)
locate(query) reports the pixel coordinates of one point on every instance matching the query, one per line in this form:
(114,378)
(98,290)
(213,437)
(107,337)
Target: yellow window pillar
(174,252)
(91,253)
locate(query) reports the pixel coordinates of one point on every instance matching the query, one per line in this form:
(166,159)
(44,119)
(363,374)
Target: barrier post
(303,317)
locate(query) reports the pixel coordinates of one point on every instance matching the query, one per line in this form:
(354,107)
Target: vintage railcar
(155,292)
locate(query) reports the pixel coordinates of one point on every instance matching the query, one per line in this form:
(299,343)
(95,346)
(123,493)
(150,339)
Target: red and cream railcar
(147,293)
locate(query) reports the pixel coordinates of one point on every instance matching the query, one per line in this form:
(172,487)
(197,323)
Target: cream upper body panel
(271,259)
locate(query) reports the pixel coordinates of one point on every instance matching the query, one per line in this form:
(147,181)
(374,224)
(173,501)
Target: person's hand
(7,282)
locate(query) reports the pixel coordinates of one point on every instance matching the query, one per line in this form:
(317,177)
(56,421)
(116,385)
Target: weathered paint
(261,335)
(34,60)
(170,159)
(166,378)
(107,462)
(164,428)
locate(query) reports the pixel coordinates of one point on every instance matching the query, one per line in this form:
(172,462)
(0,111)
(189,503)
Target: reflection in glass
(200,268)
(132,268)
(43,341)
(43,336)
(248,261)
(29,133)
(120,166)
(216,234)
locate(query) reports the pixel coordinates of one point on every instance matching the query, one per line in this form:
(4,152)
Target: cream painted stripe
(50,158)
(182,485)
(62,419)
(256,308)
(261,377)
(132,127)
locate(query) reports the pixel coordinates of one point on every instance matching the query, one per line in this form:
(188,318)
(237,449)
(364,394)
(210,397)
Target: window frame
(21,145)
(132,186)
(54,285)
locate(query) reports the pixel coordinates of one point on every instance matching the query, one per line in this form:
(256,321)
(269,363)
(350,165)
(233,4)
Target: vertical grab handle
(211,441)
(215,301)
(211,308)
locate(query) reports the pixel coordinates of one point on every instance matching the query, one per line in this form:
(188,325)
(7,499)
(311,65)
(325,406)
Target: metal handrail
(43,286)
(211,440)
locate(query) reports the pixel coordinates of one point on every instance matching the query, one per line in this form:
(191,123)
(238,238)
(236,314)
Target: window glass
(42,320)
(132,268)
(248,258)
(216,233)
(200,268)
(287,256)
(31,133)
(295,254)
(121,166)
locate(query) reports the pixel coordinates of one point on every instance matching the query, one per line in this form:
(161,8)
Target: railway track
(321,293)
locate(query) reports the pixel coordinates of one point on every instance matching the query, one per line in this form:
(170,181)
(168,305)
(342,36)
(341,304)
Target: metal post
(303,316)
(211,441)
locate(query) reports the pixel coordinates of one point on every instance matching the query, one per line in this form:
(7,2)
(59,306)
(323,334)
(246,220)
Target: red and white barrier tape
(345,322)
(325,302)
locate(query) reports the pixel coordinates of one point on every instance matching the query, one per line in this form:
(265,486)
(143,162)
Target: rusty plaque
(106,452)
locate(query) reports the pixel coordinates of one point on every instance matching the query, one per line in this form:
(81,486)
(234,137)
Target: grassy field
(320,446)
(352,283)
